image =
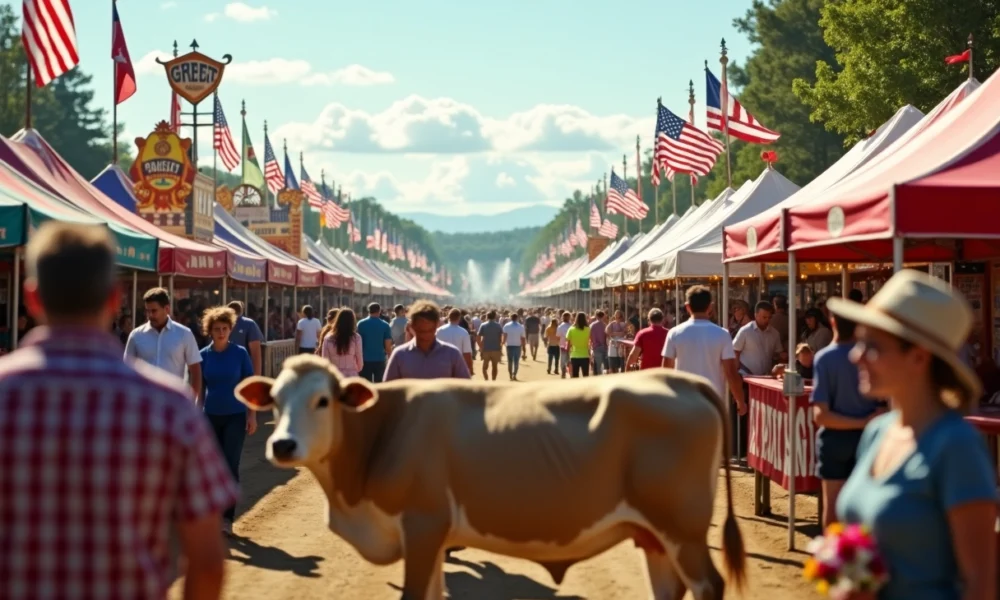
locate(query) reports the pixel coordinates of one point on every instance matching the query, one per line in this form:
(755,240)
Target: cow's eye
(323,402)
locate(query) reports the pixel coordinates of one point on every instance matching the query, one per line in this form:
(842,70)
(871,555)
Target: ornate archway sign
(195,76)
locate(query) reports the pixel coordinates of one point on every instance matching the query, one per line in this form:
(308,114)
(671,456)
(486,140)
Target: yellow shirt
(579,342)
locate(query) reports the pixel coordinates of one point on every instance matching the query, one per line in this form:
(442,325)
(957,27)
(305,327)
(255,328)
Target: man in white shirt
(563,343)
(701,347)
(514,339)
(307,331)
(165,343)
(454,334)
(757,344)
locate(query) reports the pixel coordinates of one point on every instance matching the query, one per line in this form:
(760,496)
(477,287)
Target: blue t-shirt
(220,373)
(374,332)
(246,331)
(835,383)
(906,509)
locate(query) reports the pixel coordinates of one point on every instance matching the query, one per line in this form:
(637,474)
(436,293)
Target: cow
(555,474)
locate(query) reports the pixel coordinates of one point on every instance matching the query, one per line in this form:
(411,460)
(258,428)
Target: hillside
(487,249)
(528,216)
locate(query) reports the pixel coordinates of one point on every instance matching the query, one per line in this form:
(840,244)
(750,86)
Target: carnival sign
(195,76)
(768,451)
(162,171)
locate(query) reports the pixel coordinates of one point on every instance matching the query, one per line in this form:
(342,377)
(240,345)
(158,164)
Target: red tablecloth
(767,443)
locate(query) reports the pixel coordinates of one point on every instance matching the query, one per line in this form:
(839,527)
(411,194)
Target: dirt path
(283,549)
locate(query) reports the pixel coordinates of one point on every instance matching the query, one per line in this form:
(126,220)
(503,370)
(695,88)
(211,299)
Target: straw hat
(924,311)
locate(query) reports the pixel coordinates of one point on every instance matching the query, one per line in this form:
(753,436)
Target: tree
(62,111)
(890,53)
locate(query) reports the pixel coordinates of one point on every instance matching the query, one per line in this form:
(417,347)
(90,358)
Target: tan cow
(555,474)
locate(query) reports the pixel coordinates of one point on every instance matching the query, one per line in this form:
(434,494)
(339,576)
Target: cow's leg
(424,541)
(698,572)
(664,582)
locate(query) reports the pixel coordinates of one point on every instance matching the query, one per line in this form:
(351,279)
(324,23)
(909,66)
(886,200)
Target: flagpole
(215,149)
(114,100)
(724,101)
(267,187)
(691,117)
(625,179)
(243,132)
(606,200)
(638,177)
(27,103)
(971,52)
(654,167)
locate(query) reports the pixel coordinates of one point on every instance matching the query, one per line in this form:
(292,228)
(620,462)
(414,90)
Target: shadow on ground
(487,581)
(272,558)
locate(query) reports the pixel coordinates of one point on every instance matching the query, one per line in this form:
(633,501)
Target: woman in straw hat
(923,483)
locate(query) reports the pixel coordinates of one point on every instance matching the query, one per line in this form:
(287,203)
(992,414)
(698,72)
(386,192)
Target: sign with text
(767,445)
(195,76)
(163,176)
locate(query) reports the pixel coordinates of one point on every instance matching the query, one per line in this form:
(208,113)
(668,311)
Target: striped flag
(223,139)
(682,147)
(595,216)
(309,189)
(49,37)
(623,200)
(608,229)
(581,235)
(272,170)
(742,125)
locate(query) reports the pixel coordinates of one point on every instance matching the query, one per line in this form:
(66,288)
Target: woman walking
(342,346)
(552,345)
(331,318)
(924,485)
(578,338)
(223,366)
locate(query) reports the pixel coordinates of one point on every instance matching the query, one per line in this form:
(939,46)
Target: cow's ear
(255,392)
(356,394)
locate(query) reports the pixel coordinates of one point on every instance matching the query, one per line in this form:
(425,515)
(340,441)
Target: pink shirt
(350,363)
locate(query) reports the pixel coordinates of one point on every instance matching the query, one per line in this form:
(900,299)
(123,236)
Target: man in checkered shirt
(99,458)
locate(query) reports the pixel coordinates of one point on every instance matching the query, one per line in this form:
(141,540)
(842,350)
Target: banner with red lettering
(767,444)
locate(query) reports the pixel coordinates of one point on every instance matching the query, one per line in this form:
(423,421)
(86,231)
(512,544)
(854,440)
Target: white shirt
(172,349)
(699,346)
(561,333)
(757,348)
(456,336)
(514,332)
(476,323)
(545,321)
(310,329)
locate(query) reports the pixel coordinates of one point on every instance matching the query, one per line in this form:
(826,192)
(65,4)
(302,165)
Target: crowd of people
(108,446)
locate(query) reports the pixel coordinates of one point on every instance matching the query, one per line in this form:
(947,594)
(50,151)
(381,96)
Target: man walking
(615,332)
(491,344)
(424,357)
(514,340)
(456,335)
(532,330)
(101,457)
(307,331)
(376,344)
(649,343)
(246,333)
(398,325)
(599,342)
(165,343)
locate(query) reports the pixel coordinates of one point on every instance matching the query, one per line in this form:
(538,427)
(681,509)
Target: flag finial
(243,109)
(725,54)
(659,101)
(175,48)
(265,126)
(284,142)
(194,45)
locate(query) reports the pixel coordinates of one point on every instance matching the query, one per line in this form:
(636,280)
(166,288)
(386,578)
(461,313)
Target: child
(803,363)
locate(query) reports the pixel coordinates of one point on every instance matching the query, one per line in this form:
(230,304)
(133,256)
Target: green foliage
(485,248)
(890,53)
(62,111)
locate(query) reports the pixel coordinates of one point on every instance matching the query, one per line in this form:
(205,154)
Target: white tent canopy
(701,255)
(597,277)
(570,280)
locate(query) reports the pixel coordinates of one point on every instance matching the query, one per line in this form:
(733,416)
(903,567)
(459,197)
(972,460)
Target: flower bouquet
(845,562)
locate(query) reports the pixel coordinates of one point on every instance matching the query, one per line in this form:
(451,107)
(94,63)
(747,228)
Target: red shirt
(98,458)
(650,343)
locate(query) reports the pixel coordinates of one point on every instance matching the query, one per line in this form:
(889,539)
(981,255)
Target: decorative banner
(767,444)
(195,76)
(246,269)
(309,279)
(163,176)
(281,274)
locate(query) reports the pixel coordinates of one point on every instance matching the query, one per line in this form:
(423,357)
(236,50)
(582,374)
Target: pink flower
(846,548)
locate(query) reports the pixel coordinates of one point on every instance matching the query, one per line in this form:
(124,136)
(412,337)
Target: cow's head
(309,398)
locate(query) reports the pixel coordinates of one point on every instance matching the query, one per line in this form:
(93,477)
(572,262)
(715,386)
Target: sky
(437,106)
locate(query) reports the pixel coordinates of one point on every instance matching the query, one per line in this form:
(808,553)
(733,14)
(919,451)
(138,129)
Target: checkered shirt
(97,459)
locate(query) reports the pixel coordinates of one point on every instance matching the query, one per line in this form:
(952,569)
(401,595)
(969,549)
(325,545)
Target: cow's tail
(733,549)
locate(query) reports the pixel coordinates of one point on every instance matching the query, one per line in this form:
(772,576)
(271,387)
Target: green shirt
(579,342)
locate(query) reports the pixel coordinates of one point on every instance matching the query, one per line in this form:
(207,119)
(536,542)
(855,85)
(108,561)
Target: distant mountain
(530,216)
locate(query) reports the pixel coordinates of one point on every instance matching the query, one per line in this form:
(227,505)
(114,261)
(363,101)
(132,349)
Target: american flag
(595,216)
(272,170)
(654,174)
(608,229)
(622,199)
(581,235)
(309,189)
(223,139)
(682,147)
(384,243)
(742,125)
(49,38)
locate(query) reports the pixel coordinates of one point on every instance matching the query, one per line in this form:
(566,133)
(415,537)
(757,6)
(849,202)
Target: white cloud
(168,5)
(445,126)
(244,13)
(279,71)
(210,17)
(504,180)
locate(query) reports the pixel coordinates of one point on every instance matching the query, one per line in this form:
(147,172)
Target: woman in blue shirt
(923,484)
(223,366)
